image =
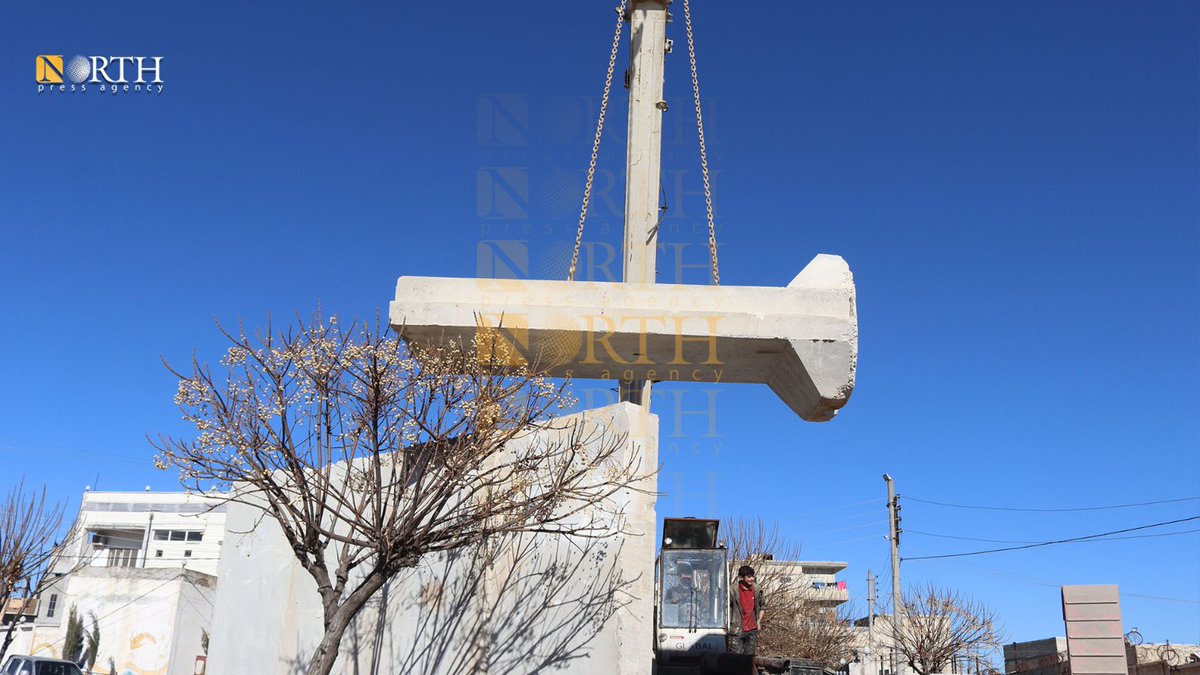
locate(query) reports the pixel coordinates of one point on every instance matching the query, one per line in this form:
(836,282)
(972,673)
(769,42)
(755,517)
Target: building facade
(817,578)
(143,566)
(1048,656)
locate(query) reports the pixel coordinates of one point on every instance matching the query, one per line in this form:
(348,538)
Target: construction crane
(692,600)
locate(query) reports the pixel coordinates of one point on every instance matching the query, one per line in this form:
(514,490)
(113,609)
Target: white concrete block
(543,604)
(801,340)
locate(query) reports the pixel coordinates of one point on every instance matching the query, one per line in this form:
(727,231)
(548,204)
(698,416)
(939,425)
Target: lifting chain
(591,173)
(712,230)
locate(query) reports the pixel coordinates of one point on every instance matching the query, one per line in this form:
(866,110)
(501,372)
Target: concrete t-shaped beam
(801,340)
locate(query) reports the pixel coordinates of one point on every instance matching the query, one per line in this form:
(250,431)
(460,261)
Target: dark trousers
(744,643)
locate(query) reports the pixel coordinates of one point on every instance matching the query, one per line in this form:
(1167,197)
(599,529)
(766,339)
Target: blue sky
(1013,184)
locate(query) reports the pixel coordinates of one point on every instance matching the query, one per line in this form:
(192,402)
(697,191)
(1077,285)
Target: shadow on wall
(520,604)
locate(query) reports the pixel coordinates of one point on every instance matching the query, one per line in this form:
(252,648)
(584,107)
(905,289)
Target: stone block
(801,340)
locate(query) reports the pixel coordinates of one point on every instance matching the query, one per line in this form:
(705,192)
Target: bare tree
(796,623)
(940,625)
(91,641)
(817,632)
(371,453)
(28,525)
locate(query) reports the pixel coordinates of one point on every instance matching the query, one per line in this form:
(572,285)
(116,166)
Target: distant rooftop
(173,502)
(812,566)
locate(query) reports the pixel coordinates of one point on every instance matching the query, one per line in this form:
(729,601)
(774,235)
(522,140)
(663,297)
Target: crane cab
(692,591)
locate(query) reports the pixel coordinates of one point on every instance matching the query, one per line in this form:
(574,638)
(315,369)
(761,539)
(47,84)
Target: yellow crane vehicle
(691,608)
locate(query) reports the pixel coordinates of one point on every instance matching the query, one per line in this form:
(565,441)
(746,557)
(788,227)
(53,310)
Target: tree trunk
(336,623)
(7,639)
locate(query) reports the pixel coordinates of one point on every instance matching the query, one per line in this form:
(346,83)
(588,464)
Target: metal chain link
(591,174)
(712,230)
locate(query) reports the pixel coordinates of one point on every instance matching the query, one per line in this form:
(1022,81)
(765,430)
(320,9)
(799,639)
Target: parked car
(38,665)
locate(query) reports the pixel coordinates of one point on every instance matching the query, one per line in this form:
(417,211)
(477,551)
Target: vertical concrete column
(648,46)
(1095,637)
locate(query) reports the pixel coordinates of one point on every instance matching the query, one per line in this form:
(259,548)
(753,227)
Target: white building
(818,578)
(144,564)
(154,530)
(873,649)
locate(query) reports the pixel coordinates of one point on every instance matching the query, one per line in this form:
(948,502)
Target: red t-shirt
(746,600)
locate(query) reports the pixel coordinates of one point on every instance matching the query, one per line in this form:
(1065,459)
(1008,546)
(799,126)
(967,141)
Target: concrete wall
(518,605)
(22,640)
(1037,657)
(1016,652)
(193,617)
(1095,638)
(150,619)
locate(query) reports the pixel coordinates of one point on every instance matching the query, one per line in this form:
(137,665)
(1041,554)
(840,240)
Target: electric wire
(877,501)
(143,595)
(1019,541)
(1038,581)
(1051,543)
(852,541)
(853,516)
(1056,510)
(853,527)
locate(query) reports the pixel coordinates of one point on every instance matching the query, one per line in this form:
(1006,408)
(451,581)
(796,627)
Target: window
(178,535)
(51,668)
(187,554)
(694,594)
(122,557)
(53,604)
(158,553)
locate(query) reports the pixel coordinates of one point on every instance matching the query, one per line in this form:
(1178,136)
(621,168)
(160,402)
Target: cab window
(693,592)
(57,669)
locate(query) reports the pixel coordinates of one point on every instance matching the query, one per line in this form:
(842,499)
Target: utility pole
(894,540)
(871,622)
(647,57)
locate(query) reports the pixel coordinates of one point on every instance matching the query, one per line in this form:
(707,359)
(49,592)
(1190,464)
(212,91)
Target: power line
(1160,597)
(1019,541)
(143,595)
(1033,510)
(843,507)
(1056,541)
(871,537)
(847,529)
(1038,581)
(853,516)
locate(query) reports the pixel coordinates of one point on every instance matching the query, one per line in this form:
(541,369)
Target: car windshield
(693,589)
(51,668)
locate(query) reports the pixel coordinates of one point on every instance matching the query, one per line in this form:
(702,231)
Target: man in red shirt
(747,612)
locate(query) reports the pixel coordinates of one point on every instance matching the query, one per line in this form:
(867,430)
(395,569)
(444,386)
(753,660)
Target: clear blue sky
(1013,184)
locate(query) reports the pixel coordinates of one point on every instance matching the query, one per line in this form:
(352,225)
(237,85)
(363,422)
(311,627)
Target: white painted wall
(545,602)
(150,619)
(193,617)
(22,641)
